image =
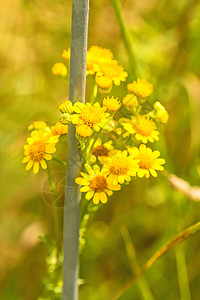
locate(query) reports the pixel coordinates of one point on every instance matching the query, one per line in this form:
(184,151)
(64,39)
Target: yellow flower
(90,115)
(149,162)
(112,104)
(95,55)
(39,149)
(143,128)
(59,69)
(66,107)
(66,54)
(38,125)
(120,168)
(84,130)
(142,88)
(59,129)
(130,101)
(111,69)
(161,115)
(104,83)
(101,151)
(95,184)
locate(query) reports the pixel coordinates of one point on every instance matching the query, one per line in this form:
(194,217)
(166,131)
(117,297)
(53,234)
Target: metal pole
(79,30)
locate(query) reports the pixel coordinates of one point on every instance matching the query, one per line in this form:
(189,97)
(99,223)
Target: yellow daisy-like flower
(90,115)
(111,69)
(66,54)
(84,130)
(130,101)
(59,69)
(112,104)
(95,56)
(104,83)
(149,162)
(101,151)
(59,129)
(143,128)
(39,149)
(121,167)
(38,125)
(142,88)
(95,184)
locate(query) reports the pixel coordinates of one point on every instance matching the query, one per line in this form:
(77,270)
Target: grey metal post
(79,30)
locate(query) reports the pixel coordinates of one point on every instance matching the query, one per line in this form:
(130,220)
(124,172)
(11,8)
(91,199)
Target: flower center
(118,170)
(100,151)
(37,150)
(91,115)
(98,183)
(143,126)
(145,162)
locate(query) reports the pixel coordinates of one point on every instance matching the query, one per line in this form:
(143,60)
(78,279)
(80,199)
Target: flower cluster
(113,133)
(101,63)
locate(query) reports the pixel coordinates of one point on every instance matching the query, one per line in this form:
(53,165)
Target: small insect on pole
(79,30)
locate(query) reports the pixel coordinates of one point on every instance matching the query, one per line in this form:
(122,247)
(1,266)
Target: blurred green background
(166,43)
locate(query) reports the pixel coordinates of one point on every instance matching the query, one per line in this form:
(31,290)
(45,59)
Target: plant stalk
(79,30)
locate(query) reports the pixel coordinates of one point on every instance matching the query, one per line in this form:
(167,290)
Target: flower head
(111,69)
(121,167)
(142,88)
(95,184)
(149,162)
(90,115)
(104,83)
(95,56)
(130,101)
(84,130)
(143,128)
(38,125)
(66,54)
(111,103)
(59,129)
(39,149)
(101,151)
(161,115)
(59,69)
(66,107)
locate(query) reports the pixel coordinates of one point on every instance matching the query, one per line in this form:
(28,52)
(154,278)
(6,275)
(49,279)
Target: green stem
(131,254)
(184,286)
(94,93)
(128,41)
(182,273)
(63,163)
(52,188)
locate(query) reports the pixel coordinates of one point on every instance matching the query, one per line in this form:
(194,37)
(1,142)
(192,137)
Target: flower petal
(36,167)
(103,197)
(89,195)
(43,164)
(25,159)
(29,165)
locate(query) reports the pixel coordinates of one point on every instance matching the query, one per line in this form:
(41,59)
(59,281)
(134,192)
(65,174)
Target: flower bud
(59,69)
(66,107)
(65,119)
